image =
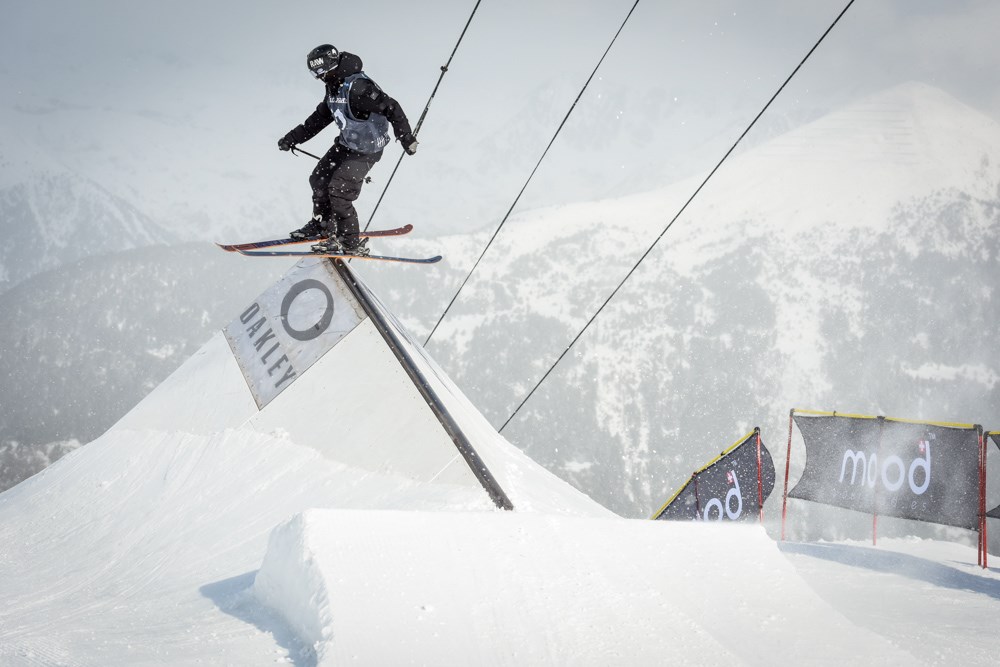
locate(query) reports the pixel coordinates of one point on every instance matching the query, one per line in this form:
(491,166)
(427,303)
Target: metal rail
(451,427)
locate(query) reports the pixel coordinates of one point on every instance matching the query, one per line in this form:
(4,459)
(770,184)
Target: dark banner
(726,489)
(925,472)
(995,512)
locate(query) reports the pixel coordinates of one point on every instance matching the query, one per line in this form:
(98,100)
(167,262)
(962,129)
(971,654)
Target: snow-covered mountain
(86,342)
(20,461)
(51,215)
(851,264)
(124,179)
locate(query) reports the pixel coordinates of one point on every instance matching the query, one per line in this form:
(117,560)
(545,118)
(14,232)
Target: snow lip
(385,587)
(290,582)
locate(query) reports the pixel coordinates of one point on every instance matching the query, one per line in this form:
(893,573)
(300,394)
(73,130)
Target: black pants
(336,183)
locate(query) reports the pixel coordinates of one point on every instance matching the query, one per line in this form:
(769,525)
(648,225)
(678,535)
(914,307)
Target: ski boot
(360,250)
(329,245)
(311,230)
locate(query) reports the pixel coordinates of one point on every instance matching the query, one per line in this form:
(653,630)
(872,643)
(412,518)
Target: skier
(363,113)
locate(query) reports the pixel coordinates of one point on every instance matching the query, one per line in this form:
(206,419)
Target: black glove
(286,143)
(409,143)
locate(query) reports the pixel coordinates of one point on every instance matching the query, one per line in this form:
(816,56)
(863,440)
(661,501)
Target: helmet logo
(323,59)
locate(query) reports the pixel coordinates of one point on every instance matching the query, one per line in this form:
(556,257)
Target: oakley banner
(726,489)
(995,512)
(901,469)
(290,326)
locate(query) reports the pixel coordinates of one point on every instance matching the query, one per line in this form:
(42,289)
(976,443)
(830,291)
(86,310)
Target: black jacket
(366,98)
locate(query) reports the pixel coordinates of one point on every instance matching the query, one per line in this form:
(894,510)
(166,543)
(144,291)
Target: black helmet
(322,59)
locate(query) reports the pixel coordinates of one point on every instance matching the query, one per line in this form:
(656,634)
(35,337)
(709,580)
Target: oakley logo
(893,473)
(727,509)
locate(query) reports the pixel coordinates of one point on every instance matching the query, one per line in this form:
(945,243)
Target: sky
(126,46)
(133,93)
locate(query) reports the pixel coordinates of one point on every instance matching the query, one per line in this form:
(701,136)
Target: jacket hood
(349,64)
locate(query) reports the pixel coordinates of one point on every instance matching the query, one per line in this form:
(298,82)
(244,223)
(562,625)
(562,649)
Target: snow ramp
(141,547)
(310,487)
(319,360)
(437,588)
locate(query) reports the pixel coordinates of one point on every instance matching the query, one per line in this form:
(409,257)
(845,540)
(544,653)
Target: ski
(338,255)
(254,245)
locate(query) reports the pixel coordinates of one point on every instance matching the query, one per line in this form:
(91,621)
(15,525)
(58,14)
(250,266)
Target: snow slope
(201,530)
(928,597)
(529,589)
(173,505)
(138,550)
(352,402)
(139,547)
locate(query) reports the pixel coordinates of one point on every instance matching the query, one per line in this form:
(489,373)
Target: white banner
(290,326)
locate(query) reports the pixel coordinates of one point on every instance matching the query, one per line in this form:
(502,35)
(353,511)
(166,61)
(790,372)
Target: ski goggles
(322,64)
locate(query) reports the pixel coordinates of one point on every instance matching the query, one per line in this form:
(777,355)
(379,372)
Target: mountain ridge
(739,314)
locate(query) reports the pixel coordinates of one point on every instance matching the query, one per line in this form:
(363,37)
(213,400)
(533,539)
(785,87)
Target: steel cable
(423,114)
(530,176)
(674,219)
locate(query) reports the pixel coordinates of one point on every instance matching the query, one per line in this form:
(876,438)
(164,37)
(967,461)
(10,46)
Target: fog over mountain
(85,342)
(844,258)
(51,215)
(849,264)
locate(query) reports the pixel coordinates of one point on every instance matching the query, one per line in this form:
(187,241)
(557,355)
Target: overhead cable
(423,115)
(530,176)
(674,219)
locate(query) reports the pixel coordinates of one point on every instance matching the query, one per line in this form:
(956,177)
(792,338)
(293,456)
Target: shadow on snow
(234,596)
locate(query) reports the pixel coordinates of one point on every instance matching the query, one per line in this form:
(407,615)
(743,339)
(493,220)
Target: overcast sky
(231,77)
(127,44)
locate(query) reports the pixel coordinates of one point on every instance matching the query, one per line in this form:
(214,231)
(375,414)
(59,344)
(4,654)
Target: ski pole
(296,149)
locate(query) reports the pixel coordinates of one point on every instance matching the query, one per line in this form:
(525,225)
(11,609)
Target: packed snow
(201,530)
